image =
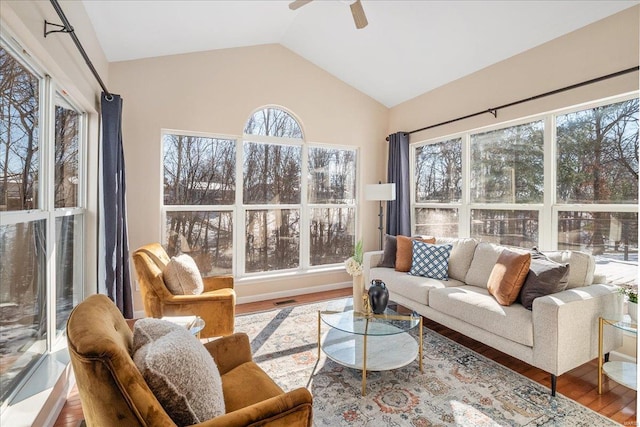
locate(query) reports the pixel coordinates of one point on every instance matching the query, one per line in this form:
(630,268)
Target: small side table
(624,373)
(195,324)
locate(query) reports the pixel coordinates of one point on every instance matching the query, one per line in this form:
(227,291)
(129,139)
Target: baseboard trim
(292,292)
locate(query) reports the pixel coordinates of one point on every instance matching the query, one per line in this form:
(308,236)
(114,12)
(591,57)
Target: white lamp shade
(380,192)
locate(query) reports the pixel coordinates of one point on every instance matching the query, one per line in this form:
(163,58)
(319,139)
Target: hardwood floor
(616,402)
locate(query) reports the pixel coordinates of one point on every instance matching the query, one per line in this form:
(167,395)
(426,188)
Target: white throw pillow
(182,277)
(179,371)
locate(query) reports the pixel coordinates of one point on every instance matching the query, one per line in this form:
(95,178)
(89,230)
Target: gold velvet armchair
(216,305)
(114,393)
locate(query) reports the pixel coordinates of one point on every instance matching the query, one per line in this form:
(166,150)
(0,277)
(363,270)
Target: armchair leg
(553,384)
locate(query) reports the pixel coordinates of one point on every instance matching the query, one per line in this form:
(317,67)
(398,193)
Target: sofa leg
(606,357)
(553,384)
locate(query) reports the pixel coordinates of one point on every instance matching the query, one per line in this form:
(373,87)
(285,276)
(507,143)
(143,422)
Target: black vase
(378,296)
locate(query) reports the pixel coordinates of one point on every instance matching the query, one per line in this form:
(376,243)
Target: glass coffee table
(379,342)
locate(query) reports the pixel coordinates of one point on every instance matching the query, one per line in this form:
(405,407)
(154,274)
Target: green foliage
(357,252)
(630,292)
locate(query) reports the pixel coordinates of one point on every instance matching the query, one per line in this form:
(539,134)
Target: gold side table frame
(364,337)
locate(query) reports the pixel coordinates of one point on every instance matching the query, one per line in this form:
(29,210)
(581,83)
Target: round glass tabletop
(388,323)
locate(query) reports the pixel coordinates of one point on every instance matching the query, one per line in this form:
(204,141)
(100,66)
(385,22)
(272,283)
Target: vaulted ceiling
(408,48)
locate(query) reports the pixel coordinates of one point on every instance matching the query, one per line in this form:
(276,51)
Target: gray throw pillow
(179,371)
(545,277)
(389,255)
(182,277)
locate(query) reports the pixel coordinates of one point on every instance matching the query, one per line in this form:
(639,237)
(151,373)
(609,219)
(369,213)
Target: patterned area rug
(458,387)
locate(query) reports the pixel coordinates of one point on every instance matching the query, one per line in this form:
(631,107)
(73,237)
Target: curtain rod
(67,28)
(494,110)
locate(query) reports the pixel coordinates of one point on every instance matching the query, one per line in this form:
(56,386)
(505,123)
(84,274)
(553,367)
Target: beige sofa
(557,335)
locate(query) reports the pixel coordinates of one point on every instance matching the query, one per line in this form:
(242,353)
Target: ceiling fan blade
(359,17)
(298,3)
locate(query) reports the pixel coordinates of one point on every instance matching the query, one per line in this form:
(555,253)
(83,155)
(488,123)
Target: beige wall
(24,20)
(605,47)
(216,92)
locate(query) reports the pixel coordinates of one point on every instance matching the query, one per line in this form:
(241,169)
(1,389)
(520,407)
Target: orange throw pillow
(404,251)
(508,276)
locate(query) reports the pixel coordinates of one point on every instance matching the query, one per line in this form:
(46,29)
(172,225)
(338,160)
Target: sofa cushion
(430,260)
(404,252)
(236,381)
(389,254)
(508,276)
(581,266)
(545,277)
(180,372)
(461,255)
(182,277)
(415,288)
(484,258)
(477,307)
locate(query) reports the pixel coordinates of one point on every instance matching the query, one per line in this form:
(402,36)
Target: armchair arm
(292,409)
(214,283)
(218,295)
(565,326)
(230,351)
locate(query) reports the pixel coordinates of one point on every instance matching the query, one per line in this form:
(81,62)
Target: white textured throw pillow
(182,277)
(179,371)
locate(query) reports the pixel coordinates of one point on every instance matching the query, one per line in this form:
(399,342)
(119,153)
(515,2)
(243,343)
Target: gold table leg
(318,334)
(600,356)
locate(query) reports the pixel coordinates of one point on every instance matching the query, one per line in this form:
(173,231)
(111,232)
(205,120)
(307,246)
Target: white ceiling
(408,48)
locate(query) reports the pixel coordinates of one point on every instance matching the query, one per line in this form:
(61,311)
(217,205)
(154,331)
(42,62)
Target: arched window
(272,121)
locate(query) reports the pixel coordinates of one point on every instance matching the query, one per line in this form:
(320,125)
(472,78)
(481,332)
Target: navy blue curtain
(117,285)
(398,214)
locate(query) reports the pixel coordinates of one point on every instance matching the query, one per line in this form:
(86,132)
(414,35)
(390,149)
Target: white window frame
(48,88)
(548,211)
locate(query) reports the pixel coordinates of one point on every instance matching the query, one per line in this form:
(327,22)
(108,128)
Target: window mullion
(305,212)
(239,215)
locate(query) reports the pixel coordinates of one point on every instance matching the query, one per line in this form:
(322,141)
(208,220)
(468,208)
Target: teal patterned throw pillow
(430,260)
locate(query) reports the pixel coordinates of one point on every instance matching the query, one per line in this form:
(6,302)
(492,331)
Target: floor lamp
(381,193)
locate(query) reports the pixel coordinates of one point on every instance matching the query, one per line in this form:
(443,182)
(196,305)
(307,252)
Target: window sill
(41,398)
(269,277)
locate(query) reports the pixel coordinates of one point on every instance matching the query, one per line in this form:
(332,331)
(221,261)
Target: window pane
(66,157)
(199,170)
(598,154)
(23,313)
(332,232)
(272,240)
(19,135)
(438,172)
(505,227)
(273,122)
(612,234)
(332,175)
(69,251)
(437,222)
(206,236)
(507,165)
(271,173)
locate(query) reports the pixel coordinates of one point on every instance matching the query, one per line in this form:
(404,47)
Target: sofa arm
(370,260)
(288,409)
(565,326)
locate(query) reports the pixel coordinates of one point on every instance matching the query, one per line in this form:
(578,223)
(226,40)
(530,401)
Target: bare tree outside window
(272,240)
(66,157)
(273,122)
(332,193)
(272,173)
(200,171)
(19,135)
(598,163)
(438,172)
(505,227)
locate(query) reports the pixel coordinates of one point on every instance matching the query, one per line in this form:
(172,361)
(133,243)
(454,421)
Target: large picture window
(575,187)
(41,213)
(294,207)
